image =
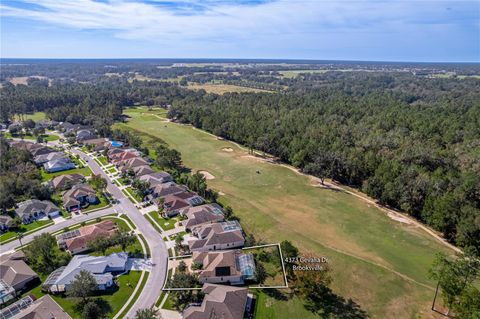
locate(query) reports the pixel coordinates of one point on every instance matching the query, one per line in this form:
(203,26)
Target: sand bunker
(227,149)
(207,174)
(399,218)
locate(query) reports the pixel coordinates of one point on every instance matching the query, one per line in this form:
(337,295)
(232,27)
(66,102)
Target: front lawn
(103,203)
(85,171)
(134,194)
(25,228)
(165,223)
(103,160)
(111,170)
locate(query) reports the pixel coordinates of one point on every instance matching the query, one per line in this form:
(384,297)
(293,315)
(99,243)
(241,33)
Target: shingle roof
(222,302)
(216,234)
(13,270)
(207,213)
(62,180)
(156,178)
(105,228)
(43,308)
(34,205)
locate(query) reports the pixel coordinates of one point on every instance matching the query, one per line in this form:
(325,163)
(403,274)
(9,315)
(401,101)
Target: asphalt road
(56,227)
(158,250)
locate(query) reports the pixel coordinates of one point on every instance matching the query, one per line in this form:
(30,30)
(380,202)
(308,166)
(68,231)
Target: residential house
(66,181)
(142,170)
(122,156)
(15,275)
(98,144)
(231,267)
(101,268)
(217,236)
(77,196)
(220,301)
(34,209)
(131,163)
(84,134)
(175,204)
(57,165)
(68,127)
(5,223)
(44,158)
(155,179)
(204,214)
(76,241)
(28,308)
(163,190)
(38,149)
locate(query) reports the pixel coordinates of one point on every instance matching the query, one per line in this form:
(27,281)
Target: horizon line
(247,59)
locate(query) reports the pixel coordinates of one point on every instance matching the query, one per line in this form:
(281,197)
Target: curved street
(158,251)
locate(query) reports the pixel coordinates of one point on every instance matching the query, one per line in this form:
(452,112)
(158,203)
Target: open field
(222,88)
(37,116)
(294,73)
(380,263)
(85,171)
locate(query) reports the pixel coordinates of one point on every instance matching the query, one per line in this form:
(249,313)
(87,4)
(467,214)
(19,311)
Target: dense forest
(411,142)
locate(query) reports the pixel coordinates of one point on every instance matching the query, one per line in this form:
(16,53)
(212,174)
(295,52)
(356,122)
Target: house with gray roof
(101,268)
(44,158)
(220,301)
(15,275)
(155,179)
(216,236)
(59,164)
(34,209)
(5,223)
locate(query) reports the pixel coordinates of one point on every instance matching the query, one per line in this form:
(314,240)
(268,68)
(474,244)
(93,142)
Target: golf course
(378,262)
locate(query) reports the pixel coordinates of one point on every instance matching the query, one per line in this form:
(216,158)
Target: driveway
(139,264)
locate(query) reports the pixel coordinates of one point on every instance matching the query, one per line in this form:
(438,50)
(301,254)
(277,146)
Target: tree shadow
(330,305)
(276,294)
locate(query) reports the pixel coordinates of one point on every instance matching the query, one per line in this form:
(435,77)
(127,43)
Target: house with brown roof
(98,144)
(231,267)
(28,308)
(76,241)
(66,181)
(77,196)
(131,163)
(163,190)
(216,236)
(175,204)
(122,156)
(15,275)
(220,301)
(203,214)
(142,170)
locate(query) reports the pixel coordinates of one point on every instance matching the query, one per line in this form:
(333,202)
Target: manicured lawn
(168,305)
(85,171)
(37,116)
(25,228)
(133,193)
(103,203)
(51,137)
(369,253)
(165,223)
(103,160)
(112,170)
(116,297)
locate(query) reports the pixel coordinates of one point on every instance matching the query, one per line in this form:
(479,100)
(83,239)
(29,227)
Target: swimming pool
(116,143)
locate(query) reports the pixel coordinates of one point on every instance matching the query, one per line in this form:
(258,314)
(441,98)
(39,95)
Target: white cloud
(223,19)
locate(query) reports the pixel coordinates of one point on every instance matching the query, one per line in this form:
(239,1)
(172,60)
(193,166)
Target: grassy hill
(380,263)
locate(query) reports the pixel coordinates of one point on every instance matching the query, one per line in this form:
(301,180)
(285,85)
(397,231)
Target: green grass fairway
(380,263)
(37,116)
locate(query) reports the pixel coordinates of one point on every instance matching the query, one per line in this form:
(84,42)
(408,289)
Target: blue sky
(394,30)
